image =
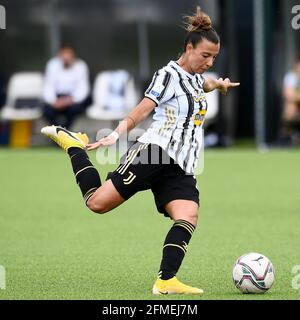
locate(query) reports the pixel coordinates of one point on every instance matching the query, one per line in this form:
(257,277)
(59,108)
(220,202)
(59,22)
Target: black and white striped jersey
(179,114)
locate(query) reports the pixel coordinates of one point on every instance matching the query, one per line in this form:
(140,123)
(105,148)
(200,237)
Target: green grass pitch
(52,247)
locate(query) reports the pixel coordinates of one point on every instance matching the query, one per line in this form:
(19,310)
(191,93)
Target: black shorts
(148,166)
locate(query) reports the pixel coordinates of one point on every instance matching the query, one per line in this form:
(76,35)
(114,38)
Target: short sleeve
(49,92)
(161,88)
(290,80)
(83,87)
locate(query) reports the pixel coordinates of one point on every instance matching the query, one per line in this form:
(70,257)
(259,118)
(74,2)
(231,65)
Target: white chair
(24,97)
(114,95)
(212,101)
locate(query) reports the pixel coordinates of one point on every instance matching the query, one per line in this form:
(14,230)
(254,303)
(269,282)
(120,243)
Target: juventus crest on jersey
(179,115)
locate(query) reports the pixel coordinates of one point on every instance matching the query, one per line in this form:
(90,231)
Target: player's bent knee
(96,206)
(179,210)
(193,219)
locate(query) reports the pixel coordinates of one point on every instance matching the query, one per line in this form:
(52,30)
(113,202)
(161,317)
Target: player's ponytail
(199,27)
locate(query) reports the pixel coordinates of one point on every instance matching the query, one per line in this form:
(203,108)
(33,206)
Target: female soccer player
(174,139)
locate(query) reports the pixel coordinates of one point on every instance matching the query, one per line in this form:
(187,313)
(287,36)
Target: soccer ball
(253,273)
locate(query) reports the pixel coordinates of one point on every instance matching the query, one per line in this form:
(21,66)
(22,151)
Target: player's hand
(63,103)
(58,104)
(224,85)
(106,141)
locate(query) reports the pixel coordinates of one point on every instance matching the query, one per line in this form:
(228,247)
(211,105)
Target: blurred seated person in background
(291,111)
(115,98)
(66,87)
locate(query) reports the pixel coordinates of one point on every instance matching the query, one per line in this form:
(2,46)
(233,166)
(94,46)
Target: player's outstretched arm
(136,116)
(211,84)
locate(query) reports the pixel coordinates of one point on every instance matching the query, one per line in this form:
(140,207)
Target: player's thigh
(183,210)
(105,198)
